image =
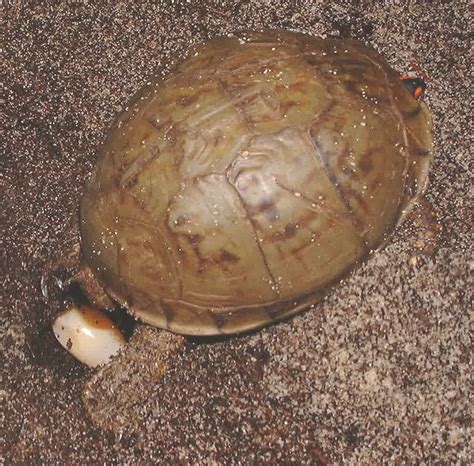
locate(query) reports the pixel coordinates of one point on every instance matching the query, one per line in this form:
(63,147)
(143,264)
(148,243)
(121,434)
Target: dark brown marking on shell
(257,239)
(168,312)
(269,208)
(347,172)
(346,62)
(365,163)
(322,115)
(288,232)
(181,253)
(141,206)
(228,257)
(361,201)
(187,100)
(412,114)
(298,86)
(287,105)
(130,174)
(351,86)
(312,60)
(194,241)
(306,219)
(243,99)
(278,310)
(375,183)
(356,222)
(419,151)
(296,251)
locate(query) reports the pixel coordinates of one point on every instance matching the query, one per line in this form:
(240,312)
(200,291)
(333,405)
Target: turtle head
(415,85)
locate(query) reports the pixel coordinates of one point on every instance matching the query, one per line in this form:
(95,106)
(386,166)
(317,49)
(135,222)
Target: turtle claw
(66,265)
(44,286)
(48,278)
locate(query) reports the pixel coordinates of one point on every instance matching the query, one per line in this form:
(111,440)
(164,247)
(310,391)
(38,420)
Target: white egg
(88,334)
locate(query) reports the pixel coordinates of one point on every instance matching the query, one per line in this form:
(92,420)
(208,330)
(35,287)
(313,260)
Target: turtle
(236,191)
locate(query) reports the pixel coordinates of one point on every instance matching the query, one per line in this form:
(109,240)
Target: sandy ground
(378,373)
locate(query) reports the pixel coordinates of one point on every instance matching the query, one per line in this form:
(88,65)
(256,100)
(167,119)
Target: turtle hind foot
(69,269)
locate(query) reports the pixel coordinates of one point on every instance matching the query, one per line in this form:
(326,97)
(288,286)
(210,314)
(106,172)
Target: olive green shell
(234,192)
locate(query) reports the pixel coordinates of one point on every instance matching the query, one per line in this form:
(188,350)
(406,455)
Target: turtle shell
(263,168)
